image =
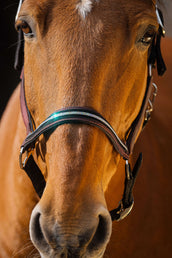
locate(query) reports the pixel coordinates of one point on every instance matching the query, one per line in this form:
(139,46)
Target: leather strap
(24,108)
(19,55)
(35,175)
(138,122)
(77,115)
(127,201)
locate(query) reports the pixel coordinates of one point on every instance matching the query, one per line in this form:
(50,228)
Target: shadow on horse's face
(82,53)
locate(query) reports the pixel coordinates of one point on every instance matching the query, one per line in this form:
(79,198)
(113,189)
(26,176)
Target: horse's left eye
(148,37)
(24,26)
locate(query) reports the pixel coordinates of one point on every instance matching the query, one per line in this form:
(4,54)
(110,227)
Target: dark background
(9,78)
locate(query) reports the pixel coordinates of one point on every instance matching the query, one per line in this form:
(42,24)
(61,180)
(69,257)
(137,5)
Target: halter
(89,116)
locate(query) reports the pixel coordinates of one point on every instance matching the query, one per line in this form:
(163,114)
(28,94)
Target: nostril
(63,255)
(101,235)
(101,230)
(36,233)
(36,228)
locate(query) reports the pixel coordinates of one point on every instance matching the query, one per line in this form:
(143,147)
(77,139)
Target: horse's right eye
(148,36)
(24,26)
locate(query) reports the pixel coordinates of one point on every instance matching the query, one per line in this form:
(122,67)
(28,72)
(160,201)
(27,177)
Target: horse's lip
(87,255)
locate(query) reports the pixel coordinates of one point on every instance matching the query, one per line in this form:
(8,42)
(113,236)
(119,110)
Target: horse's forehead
(85,7)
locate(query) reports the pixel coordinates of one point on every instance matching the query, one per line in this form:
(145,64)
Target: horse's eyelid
(17,25)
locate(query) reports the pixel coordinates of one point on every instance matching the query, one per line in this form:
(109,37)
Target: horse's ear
(19,56)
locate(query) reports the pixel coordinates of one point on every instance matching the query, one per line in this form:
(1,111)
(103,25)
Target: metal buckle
(21,161)
(123,212)
(150,70)
(151,102)
(127,170)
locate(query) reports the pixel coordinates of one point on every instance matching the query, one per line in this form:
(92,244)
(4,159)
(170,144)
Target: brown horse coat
(147,231)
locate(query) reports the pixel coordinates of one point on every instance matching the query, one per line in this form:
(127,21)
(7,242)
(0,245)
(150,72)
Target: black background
(9,78)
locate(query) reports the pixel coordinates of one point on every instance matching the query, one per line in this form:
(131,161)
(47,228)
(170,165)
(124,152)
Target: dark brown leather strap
(138,122)
(24,109)
(77,115)
(35,175)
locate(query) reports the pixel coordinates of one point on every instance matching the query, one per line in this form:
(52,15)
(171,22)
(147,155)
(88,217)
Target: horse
(92,62)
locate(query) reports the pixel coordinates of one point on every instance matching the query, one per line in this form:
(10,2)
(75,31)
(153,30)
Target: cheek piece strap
(85,115)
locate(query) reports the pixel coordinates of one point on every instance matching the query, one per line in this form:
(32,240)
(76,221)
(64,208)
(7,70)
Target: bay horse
(81,58)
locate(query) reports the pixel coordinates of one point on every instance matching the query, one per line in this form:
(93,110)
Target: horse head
(91,54)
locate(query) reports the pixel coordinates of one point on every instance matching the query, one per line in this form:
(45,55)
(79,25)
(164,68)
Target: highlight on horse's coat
(86,93)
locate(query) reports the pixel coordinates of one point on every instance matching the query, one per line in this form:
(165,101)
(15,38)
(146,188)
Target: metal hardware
(150,70)
(154,93)
(127,170)
(21,162)
(123,212)
(151,102)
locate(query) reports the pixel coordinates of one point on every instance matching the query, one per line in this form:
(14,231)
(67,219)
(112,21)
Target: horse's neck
(15,186)
(11,130)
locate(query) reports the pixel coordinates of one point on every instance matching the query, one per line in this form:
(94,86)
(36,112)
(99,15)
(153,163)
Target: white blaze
(84,7)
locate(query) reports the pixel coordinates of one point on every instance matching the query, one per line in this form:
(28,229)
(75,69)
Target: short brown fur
(96,62)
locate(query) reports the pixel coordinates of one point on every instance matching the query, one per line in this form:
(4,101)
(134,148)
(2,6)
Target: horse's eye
(24,26)
(148,37)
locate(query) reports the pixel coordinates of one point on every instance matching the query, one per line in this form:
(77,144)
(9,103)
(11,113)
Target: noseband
(86,115)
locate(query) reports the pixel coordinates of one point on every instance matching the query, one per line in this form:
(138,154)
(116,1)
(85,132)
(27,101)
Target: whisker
(10,5)
(15,44)
(33,253)
(28,245)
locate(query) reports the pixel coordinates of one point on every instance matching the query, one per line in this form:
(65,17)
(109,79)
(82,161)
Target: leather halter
(85,115)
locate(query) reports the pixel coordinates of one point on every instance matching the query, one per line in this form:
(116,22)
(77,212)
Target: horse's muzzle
(84,237)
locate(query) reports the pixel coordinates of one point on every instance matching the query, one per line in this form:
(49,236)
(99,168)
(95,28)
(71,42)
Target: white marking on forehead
(84,7)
